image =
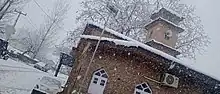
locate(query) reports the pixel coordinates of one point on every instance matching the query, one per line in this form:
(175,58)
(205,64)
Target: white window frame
(144,88)
(98,82)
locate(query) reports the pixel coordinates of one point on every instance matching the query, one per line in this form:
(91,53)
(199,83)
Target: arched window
(98,82)
(142,89)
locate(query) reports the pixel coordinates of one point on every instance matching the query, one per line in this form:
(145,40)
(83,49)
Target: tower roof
(170,24)
(167,14)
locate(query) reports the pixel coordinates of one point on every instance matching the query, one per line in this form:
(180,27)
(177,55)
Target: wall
(125,71)
(163,48)
(158,31)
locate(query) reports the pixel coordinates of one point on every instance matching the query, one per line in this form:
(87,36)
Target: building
(123,65)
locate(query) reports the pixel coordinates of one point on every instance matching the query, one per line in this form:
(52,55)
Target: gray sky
(208,10)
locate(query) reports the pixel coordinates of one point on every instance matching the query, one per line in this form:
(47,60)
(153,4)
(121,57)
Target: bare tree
(53,23)
(133,15)
(38,42)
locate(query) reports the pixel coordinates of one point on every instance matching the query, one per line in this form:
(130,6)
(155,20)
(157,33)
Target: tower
(163,31)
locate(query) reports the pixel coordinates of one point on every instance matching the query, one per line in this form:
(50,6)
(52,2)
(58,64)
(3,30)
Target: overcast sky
(208,10)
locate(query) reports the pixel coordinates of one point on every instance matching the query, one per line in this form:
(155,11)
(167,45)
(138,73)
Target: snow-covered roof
(171,11)
(135,43)
(169,22)
(112,31)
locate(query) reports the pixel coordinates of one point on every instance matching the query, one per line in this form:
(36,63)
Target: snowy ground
(19,78)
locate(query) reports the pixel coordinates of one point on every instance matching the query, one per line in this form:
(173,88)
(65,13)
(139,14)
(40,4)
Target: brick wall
(125,71)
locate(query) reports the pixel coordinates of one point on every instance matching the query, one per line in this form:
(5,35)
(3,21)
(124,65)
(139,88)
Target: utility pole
(58,68)
(115,12)
(19,14)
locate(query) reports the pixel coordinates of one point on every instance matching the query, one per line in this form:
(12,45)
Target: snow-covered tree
(133,15)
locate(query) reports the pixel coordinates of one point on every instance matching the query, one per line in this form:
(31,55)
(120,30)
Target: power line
(31,22)
(41,8)
(46,13)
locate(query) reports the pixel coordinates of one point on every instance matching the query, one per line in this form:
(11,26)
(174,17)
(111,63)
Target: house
(123,65)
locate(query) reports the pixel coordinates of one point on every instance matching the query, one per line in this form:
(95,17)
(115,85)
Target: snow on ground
(19,78)
(14,49)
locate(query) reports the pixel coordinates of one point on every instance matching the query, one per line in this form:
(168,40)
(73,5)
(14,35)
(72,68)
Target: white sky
(208,10)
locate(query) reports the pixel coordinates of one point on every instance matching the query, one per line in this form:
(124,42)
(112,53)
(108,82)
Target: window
(105,76)
(168,34)
(147,90)
(139,87)
(95,80)
(143,89)
(102,71)
(98,74)
(144,85)
(102,82)
(98,82)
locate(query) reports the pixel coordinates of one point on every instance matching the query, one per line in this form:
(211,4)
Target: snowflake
(129,53)
(100,57)
(78,77)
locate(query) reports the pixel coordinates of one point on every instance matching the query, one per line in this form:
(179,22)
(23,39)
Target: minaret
(163,31)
